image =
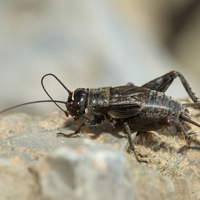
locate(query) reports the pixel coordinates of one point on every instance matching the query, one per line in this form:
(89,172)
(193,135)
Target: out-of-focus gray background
(94,43)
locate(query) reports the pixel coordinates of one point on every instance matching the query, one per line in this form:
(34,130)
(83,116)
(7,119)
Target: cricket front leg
(97,121)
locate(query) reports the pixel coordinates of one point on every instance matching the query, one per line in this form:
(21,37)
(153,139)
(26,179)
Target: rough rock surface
(87,170)
(82,167)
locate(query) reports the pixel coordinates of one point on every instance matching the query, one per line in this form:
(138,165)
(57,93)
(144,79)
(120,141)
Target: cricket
(129,108)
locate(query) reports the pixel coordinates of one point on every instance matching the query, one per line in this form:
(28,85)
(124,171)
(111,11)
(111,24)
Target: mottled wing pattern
(126,101)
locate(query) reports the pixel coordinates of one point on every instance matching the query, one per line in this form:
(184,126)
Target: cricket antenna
(42,101)
(42,83)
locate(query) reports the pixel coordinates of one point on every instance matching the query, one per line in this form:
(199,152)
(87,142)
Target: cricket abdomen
(155,111)
(159,105)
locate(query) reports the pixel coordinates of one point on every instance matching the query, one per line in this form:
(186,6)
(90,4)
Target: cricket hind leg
(189,136)
(194,137)
(162,83)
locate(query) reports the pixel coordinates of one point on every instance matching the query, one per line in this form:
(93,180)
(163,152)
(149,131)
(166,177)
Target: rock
(88,170)
(31,142)
(17,181)
(21,133)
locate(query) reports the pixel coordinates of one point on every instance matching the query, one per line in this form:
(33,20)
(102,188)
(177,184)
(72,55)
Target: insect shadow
(96,131)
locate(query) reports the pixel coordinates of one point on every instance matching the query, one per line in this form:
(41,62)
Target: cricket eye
(76,105)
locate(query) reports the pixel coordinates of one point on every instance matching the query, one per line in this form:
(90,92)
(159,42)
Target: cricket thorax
(98,100)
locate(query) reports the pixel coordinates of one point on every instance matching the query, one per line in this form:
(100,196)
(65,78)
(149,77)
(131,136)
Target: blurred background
(94,43)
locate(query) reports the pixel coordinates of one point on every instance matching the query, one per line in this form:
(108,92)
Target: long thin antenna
(23,104)
(42,83)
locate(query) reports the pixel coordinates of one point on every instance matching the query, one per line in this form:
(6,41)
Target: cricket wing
(126,101)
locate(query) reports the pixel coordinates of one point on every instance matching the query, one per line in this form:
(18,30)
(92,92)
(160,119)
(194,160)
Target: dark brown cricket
(130,108)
